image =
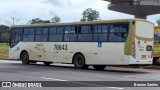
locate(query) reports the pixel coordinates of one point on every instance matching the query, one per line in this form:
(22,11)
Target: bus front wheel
(99,67)
(25,58)
(79,62)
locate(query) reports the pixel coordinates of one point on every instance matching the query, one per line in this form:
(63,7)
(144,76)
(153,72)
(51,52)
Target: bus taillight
(149,48)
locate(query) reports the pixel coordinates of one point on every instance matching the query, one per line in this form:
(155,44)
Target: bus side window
(28,34)
(85,33)
(70,33)
(100,33)
(118,32)
(56,34)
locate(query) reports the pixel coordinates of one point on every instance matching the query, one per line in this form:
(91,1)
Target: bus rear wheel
(99,67)
(25,58)
(79,62)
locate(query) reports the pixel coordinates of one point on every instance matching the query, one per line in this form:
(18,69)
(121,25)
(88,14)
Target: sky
(68,10)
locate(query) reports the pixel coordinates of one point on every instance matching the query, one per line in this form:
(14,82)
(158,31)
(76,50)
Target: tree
(4,33)
(90,15)
(38,20)
(4,28)
(158,21)
(56,19)
(4,37)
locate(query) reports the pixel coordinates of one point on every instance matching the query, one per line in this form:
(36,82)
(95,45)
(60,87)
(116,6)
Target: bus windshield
(15,35)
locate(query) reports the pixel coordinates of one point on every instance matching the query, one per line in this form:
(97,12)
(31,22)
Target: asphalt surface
(15,71)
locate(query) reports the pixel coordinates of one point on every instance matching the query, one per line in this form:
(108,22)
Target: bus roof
(79,23)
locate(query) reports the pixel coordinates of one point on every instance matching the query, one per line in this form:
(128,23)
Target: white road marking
(116,88)
(99,85)
(81,83)
(138,77)
(9,61)
(53,79)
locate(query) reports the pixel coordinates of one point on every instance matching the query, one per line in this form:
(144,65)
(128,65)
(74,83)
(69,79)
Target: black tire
(47,63)
(99,67)
(79,62)
(25,58)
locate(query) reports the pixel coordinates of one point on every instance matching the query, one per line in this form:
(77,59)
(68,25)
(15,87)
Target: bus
(84,44)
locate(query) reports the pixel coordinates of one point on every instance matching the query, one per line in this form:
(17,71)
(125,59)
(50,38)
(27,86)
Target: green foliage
(3,33)
(90,15)
(158,21)
(4,29)
(56,19)
(4,50)
(38,20)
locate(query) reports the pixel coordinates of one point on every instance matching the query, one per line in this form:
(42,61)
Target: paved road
(15,71)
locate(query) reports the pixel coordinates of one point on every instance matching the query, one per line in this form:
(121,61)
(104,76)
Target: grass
(4,51)
(156,49)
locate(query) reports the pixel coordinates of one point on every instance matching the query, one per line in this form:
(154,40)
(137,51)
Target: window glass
(59,29)
(39,31)
(56,37)
(18,30)
(70,33)
(32,31)
(39,38)
(13,38)
(85,34)
(103,37)
(16,34)
(101,32)
(53,30)
(28,34)
(96,37)
(97,29)
(28,37)
(44,38)
(123,29)
(104,28)
(100,37)
(56,34)
(116,37)
(41,34)
(45,30)
(26,31)
(114,28)
(85,29)
(68,29)
(85,37)
(73,29)
(118,32)
(70,37)
(18,37)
